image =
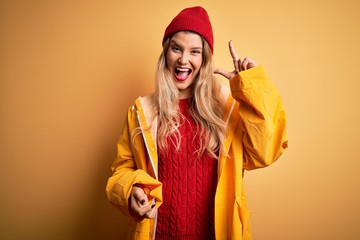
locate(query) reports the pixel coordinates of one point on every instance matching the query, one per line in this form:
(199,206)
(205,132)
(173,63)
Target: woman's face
(184,59)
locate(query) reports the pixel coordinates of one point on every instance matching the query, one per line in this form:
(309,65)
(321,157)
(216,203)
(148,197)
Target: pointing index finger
(233,53)
(235,57)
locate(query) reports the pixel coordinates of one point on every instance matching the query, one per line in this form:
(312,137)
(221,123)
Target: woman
(183,149)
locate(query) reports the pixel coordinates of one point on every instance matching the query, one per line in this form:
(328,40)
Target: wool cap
(193,19)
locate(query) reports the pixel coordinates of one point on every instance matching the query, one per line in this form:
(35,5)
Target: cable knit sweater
(189,185)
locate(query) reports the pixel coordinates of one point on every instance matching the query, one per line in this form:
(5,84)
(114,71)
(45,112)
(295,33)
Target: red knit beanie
(193,19)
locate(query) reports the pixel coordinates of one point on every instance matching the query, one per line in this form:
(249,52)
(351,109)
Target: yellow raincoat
(256,137)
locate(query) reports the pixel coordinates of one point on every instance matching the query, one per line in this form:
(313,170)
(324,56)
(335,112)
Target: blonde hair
(206,108)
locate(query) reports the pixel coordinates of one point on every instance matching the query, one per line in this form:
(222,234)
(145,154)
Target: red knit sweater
(189,185)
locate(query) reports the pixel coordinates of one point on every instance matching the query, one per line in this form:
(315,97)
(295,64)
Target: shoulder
(144,108)
(142,102)
(145,103)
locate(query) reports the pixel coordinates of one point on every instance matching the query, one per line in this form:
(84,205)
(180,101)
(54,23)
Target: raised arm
(263,119)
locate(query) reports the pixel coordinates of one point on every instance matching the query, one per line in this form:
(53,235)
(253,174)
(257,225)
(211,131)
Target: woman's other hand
(140,207)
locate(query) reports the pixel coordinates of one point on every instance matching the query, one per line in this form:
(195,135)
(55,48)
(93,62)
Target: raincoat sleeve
(128,169)
(263,119)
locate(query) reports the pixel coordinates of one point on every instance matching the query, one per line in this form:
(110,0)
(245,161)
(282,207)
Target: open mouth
(182,74)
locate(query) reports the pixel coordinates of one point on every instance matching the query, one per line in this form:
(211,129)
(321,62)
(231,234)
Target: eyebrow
(193,48)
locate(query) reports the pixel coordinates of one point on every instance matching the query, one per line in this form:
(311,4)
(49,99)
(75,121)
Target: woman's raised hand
(239,65)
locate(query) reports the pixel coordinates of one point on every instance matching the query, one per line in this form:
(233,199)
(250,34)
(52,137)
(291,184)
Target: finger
(146,211)
(248,63)
(232,51)
(138,201)
(240,65)
(237,65)
(152,212)
(244,64)
(234,56)
(252,64)
(141,210)
(224,73)
(139,195)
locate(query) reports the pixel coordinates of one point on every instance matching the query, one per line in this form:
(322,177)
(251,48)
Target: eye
(195,52)
(175,48)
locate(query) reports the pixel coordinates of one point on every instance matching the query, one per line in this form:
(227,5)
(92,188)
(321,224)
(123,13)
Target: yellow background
(70,69)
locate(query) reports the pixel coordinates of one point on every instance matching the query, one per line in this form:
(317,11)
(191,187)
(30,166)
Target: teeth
(182,69)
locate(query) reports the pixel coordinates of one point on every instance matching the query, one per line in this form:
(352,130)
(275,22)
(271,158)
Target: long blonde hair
(206,108)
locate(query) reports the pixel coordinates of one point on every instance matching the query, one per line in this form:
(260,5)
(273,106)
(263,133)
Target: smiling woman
(184,148)
(70,69)
(184,59)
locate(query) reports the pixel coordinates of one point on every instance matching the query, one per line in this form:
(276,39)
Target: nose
(183,59)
